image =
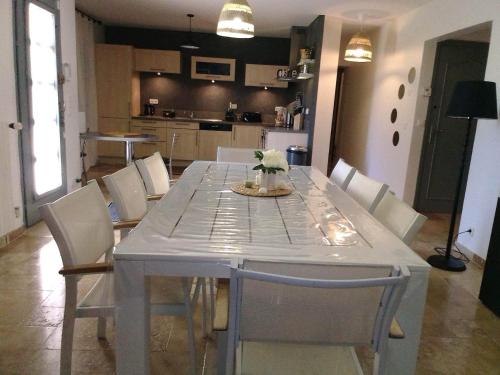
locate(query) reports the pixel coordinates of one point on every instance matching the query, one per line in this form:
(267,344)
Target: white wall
(10,172)
(71,116)
(10,178)
(326,92)
(399,47)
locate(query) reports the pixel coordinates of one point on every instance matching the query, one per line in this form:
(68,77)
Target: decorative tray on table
(253,191)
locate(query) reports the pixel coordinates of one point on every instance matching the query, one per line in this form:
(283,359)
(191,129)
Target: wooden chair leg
(68,325)
(190,325)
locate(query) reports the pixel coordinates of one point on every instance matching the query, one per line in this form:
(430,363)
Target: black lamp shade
(474,99)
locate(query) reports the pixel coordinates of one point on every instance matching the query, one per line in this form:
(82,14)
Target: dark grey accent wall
(179,91)
(314,39)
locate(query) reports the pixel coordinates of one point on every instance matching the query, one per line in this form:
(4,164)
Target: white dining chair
(291,318)
(366,191)
(399,218)
(82,228)
(127,193)
(342,174)
(236,155)
(154,174)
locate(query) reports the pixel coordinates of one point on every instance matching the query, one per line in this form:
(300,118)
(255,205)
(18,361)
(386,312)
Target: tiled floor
(460,336)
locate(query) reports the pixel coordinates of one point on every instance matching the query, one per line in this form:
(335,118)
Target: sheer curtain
(88,33)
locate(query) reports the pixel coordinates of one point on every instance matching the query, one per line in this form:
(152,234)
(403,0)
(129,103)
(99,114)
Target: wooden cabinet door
(209,141)
(113,80)
(263,75)
(109,148)
(247,136)
(160,132)
(145,149)
(152,60)
(185,145)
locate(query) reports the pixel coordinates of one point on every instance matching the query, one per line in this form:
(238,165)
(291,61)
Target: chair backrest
(154,174)
(127,192)
(365,191)
(399,218)
(81,225)
(342,174)
(317,304)
(236,155)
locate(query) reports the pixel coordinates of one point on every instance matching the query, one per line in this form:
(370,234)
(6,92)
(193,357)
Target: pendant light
(236,20)
(359,48)
(189,44)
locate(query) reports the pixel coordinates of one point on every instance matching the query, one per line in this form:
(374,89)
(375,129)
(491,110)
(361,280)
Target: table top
(130,137)
(201,217)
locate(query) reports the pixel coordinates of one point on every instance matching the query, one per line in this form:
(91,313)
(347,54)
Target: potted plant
(271,163)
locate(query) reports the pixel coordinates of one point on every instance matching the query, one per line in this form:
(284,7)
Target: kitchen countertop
(270,125)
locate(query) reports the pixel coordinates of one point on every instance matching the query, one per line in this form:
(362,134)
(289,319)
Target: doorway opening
(458,57)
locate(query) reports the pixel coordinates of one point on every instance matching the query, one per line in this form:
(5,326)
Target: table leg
(403,353)
(129,152)
(132,316)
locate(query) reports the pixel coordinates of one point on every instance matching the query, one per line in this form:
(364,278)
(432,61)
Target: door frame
(31,201)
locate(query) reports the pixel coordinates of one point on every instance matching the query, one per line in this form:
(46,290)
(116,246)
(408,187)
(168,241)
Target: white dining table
(202,228)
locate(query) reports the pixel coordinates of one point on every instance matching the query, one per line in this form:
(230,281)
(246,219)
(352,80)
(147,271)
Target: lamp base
(447,264)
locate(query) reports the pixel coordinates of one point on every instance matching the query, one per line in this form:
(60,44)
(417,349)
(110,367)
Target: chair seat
(259,358)
(164,290)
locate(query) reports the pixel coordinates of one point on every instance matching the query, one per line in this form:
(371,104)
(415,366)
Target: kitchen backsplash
(179,91)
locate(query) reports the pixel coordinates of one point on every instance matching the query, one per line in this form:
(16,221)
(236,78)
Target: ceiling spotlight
(213,80)
(158,73)
(236,20)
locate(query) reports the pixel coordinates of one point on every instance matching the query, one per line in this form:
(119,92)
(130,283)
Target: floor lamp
(471,100)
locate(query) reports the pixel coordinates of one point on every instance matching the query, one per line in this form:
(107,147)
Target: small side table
(128,138)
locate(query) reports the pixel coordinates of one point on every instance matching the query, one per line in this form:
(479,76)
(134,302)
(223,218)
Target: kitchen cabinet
(185,144)
(248,136)
(210,140)
(117,86)
(263,76)
(108,148)
(152,60)
(145,149)
(117,92)
(213,68)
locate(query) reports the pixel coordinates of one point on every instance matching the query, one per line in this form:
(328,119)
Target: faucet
(191,115)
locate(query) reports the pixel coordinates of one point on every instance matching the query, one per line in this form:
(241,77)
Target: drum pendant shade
(236,20)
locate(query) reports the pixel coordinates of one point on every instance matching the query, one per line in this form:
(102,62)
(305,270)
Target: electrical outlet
(17,212)
(153,101)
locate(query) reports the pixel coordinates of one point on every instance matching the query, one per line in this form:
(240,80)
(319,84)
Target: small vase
(268,181)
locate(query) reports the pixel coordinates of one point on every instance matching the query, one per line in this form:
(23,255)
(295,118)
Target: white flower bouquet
(272,161)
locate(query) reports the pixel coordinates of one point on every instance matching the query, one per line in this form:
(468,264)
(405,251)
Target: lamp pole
(447,262)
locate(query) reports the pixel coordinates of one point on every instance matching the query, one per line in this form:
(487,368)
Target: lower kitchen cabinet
(185,144)
(210,140)
(247,136)
(109,148)
(145,149)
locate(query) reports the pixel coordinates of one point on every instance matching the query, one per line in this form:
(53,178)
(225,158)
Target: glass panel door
(40,104)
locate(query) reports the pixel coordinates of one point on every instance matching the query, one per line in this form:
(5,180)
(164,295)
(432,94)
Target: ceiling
(272,17)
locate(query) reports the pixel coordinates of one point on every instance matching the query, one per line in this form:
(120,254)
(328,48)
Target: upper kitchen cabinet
(263,75)
(118,87)
(213,68)
(153,60)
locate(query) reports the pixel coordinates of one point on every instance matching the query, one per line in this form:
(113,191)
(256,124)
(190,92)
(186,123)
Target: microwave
(212,68)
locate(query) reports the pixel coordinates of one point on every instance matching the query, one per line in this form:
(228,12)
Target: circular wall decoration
(394,115)
(395,138)
(401,91)
(412,74)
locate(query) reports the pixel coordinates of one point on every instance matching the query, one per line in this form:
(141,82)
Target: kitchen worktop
(195,119)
